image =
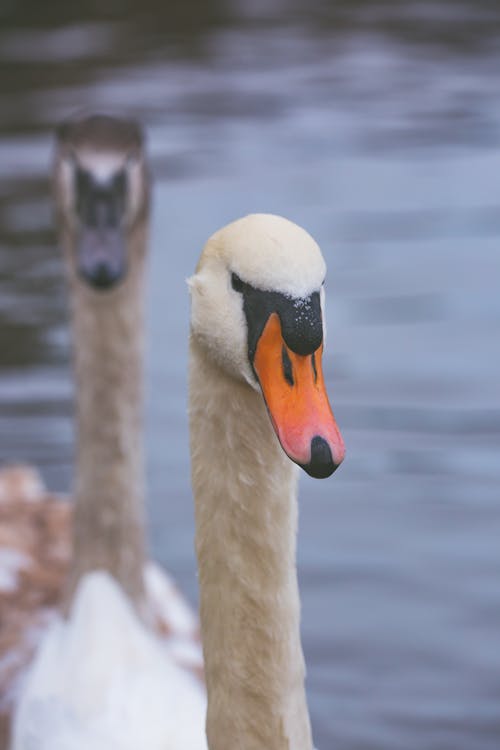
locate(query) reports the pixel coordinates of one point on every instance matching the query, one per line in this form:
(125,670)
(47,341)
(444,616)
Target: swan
(121,669)
(256,400)
(101,190)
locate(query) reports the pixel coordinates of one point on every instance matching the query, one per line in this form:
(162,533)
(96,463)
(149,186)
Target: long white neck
(109,493)
(245,491)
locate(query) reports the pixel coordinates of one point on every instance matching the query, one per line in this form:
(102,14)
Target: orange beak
(296,398)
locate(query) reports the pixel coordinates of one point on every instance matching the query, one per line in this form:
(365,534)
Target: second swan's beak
(102,256)
(101,242)
(296,398)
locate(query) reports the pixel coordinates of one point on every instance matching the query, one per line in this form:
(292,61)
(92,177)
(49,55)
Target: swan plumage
(102,680)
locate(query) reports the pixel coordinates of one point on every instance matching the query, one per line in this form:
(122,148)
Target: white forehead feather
(103,165)
(269,252)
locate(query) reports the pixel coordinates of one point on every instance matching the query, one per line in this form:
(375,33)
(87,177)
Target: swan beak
(102,256)
(101,240)
(297,402)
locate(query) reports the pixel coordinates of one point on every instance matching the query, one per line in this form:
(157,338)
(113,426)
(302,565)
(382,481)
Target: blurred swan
(122,669)
(257,399)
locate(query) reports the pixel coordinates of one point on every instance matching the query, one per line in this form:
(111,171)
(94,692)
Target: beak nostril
(314,369)
(287,366)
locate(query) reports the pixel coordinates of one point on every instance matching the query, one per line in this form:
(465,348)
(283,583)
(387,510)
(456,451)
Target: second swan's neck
(246,522)
(109,494)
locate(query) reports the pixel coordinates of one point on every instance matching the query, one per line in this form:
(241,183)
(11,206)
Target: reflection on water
(376,125)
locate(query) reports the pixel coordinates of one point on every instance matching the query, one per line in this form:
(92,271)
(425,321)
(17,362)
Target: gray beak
(102,256)
(101,252)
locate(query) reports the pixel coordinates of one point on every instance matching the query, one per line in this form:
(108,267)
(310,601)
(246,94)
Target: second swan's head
(102,193)
(257,309)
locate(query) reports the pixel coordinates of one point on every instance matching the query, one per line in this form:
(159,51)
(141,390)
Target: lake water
(376,125)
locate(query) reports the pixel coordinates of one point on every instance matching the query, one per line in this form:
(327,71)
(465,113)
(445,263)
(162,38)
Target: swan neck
(245,492)
(109,486)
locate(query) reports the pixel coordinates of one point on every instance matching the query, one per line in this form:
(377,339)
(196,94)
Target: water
(376,126)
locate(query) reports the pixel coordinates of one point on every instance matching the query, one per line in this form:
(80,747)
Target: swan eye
(236,283)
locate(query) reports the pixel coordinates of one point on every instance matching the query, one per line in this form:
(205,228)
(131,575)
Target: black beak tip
(102,276)
(321,464)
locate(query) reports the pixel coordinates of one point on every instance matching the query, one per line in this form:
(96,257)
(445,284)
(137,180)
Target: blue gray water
(376,126)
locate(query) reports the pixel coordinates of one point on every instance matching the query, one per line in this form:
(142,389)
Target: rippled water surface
(376,126)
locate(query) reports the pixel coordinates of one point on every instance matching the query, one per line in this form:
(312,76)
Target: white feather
(101,680)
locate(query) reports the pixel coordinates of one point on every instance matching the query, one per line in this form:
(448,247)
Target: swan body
(121,667)
(102,680)
(41,653)
(256,395)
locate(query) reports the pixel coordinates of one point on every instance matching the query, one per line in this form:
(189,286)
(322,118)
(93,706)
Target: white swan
(104,677)
(255,364)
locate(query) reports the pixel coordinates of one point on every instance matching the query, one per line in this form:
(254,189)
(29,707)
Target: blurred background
(376,125)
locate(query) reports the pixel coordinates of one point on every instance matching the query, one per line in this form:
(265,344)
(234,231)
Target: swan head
(102,192)
(257,303)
